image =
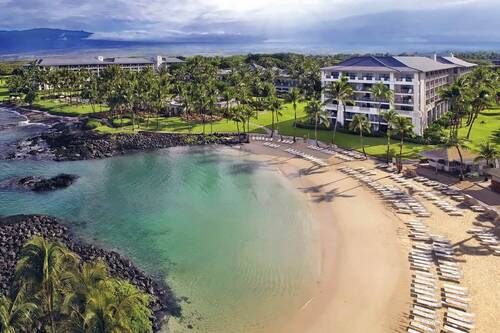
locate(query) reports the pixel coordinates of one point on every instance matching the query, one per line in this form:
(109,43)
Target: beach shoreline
(364,281)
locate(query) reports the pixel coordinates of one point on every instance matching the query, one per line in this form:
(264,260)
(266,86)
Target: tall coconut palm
(389,116)
(16,315)
(459,144)
(294,97)
(340,91)
(403,127)
(39,269)
(316,113)
(361,124)
(456,95)
(381,93)
(274,106)
(487,152)
(481,98)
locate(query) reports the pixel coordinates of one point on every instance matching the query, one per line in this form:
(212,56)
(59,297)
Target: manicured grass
(61,108)
(4,92)
(486,127)
(177,125)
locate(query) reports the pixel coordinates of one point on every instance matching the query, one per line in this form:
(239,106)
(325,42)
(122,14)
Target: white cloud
(158,19)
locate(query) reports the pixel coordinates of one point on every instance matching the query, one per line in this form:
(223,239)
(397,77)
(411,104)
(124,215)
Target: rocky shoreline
(16,230)
(86,145)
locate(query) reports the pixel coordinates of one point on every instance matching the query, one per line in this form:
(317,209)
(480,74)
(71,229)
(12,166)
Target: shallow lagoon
(226,232)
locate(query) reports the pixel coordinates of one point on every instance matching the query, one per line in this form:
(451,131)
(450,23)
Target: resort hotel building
(415,82)
(98,63)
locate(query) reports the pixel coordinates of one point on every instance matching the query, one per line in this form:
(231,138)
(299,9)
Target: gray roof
(75,61)
(424,64)
(394,64)
(456,61)
(372,64)
(172,60)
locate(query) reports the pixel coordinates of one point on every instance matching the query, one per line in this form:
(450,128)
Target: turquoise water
(228,233)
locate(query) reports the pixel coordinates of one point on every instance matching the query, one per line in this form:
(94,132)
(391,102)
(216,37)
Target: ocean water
(226,232)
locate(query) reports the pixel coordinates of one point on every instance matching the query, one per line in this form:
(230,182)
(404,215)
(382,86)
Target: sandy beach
(365,278)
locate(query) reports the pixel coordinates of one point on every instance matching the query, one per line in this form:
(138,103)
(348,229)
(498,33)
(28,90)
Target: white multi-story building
(414,81)
(98,63)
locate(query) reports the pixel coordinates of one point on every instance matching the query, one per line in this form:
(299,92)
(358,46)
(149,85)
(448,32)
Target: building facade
(99,63)
(414,81)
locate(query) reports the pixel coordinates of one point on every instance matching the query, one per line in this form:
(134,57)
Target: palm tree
(404,127)
(316,112)
(487,152)
(458,144)
(274,106)
(456,95)
(389,116)
(481,99)
(117,306)
(294,97)
(362,124)
(16,315)
(381,93)
(40,267)
(340,91)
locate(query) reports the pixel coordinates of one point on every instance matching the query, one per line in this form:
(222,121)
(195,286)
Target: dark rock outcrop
(87,145)
(40,184)
(16,230)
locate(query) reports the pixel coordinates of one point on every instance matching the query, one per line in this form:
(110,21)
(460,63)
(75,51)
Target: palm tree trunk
(471,124)
(400,163)
(272,133)
(361,141)
(295,115)
(461,163)
(388,145)
(316,130)
(335,126)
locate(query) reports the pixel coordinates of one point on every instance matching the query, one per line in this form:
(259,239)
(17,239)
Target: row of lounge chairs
(486,238)
(343,154)
(271,145)
(424,313)
(424,316)
(306,156)
(444,205)
(281,139)
(400,200)
(260,138)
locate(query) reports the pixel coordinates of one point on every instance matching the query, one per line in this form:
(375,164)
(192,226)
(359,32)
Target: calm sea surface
(226,232)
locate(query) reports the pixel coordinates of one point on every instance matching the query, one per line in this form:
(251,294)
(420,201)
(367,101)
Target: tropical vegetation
(54,291)
(238,94)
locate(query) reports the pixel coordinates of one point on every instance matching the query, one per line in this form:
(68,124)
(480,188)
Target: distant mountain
(37,40)
(18,42)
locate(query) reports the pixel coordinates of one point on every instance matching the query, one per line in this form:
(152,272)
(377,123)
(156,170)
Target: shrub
(92,124)
(120,121)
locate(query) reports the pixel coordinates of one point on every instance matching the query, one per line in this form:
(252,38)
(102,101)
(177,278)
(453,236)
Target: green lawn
(374,146)
(61,108)
(4,92)
(486,127)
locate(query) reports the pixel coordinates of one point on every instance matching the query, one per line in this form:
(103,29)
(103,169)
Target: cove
(231,236)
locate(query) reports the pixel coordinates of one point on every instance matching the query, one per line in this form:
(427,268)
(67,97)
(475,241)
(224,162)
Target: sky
(272,20)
